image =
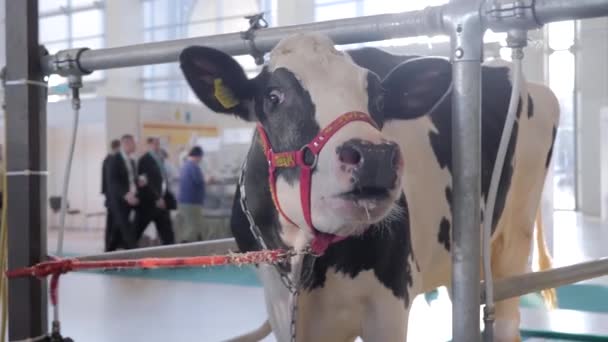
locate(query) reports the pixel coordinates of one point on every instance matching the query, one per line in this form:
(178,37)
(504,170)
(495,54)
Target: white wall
(293,12)
(123,26)
(604,162)
(85,179)
(2,32)
(592,84)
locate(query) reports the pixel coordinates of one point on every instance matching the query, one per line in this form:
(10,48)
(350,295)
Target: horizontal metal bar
(345,31)
(533,282)
(547,11)
(212,247)
(428,21)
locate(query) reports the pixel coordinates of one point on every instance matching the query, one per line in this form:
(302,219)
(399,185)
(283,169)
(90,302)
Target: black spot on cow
(290,124)
(384,249)
(495,104)
(519,109)
(259,202)
(375,95)
(550,153)
(444,233)
(530,107)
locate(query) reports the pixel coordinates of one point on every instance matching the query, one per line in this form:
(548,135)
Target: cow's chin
(348,214)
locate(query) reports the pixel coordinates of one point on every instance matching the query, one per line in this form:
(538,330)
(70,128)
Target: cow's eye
(275,97)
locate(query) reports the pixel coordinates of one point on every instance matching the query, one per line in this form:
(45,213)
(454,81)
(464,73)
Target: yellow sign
(178,134)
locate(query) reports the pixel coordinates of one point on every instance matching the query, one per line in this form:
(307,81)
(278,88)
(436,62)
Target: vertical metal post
(26,151)
(465,29)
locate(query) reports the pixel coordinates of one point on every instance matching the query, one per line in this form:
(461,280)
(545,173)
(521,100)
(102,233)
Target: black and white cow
(383,188)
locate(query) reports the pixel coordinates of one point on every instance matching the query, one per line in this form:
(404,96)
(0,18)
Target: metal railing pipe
(536,281)
(547,11)
(343,31)
(466,31)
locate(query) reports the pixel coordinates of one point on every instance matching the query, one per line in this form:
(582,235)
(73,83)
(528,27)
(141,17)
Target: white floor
(98,308)
(101,308)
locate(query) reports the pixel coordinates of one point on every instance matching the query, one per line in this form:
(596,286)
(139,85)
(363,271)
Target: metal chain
(255,230)
(299,268)
(294,314)
(294,290)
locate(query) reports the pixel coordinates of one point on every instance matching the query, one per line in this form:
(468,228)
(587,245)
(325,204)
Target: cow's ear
(218,80)
(414,87)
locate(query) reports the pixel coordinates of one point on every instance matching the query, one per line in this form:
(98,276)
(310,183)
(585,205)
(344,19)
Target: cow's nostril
(349,155)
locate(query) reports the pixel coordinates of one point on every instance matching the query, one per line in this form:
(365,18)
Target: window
(175,19)
(562,81)
(66,24)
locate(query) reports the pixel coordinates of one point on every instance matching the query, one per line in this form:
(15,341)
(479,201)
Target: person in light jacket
(191,196)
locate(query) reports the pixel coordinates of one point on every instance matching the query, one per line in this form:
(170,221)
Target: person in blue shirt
(191,196)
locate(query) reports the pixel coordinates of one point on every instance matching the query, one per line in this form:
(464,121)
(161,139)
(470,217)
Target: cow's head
(305,86)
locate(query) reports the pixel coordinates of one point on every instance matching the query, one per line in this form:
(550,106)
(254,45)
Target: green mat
(580,297)
(231,275)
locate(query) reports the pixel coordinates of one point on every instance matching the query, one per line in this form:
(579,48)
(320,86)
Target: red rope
(56,267)
(61,266)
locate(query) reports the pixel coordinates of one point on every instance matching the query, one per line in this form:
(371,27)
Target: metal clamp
(517,39)
(256,22)
(67,62)
(502,16)
(464,25)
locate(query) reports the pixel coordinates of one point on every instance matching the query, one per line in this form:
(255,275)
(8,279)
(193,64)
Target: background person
(114,149)
(191,198)
(172,172)
(155,199)
(122,195)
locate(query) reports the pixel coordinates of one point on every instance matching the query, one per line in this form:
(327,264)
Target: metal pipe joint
(517,40)
(502,16)
(66,63)
(462,22)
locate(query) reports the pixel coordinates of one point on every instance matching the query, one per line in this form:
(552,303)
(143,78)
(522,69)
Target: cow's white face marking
(336,85)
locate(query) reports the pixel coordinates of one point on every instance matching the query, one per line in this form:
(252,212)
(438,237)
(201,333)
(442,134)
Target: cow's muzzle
(373,168)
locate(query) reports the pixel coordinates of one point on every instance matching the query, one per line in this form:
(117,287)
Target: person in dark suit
(154,196)
(114,149)
(121,187)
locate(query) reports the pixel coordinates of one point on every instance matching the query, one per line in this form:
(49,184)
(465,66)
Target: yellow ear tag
(223,94)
